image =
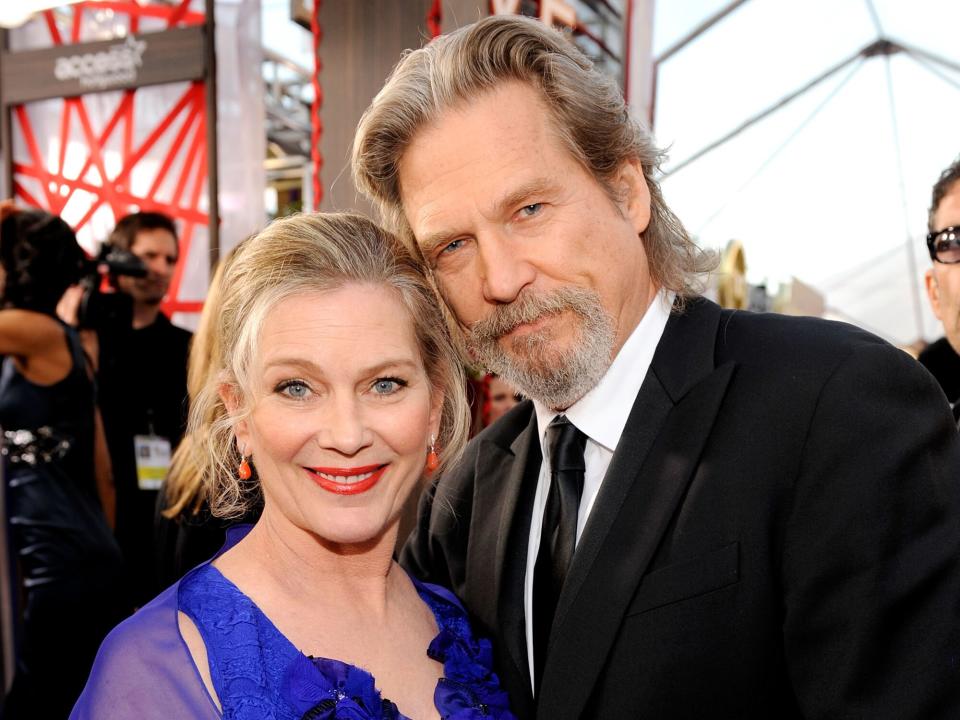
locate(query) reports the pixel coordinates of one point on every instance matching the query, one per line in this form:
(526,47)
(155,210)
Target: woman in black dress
(65,556)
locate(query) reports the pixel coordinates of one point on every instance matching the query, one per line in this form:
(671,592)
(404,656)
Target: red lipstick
(361,478)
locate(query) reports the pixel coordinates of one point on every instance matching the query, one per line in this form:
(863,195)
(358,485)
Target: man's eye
(451,247)
(388,386)
(295,389)
(531,210)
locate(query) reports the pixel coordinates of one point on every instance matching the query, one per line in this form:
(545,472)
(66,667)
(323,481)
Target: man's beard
(557,377)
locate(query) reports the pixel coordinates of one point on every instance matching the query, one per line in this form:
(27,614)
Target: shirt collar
(602,413)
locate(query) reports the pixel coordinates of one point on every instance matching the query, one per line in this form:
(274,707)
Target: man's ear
(631,185)
(230,395)
(933,292)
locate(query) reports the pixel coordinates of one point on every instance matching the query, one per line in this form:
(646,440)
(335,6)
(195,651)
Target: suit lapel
(651,469)
(646,420)
(506,479)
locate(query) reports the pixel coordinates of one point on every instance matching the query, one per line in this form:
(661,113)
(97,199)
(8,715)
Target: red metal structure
(174,146)
(316,119)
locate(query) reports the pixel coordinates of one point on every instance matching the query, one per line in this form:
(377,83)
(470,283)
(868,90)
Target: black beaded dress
(65,561)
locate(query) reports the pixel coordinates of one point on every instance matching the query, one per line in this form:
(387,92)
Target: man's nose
(503,268)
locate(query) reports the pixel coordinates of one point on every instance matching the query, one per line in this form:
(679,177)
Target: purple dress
(145,671)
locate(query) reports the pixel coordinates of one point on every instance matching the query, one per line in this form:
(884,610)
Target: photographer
(55,469)
(143,389)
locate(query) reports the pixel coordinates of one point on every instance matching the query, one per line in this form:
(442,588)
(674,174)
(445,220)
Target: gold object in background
(732,288)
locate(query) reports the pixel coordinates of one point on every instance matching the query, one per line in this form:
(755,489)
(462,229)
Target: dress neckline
(320,688)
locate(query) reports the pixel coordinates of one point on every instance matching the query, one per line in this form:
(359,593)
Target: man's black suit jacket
(778,536)
(944,364)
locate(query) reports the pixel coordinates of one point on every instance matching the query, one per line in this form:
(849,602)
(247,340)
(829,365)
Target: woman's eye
(388,386)
(531,210)
(294,389)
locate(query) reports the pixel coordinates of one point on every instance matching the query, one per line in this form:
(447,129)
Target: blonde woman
(339,387)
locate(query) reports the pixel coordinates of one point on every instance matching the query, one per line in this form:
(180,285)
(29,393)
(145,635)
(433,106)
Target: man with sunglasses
(942,358)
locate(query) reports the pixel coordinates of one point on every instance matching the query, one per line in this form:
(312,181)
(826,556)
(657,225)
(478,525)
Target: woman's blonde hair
(302,254)
(183,487)
(585,105)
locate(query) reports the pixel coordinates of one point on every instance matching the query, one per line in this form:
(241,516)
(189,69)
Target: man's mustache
(527,308)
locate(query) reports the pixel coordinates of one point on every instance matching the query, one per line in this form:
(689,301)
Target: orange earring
(244,470)
(433,460)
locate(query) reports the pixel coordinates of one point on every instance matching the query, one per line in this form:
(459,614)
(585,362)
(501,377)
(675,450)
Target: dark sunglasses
(944,245)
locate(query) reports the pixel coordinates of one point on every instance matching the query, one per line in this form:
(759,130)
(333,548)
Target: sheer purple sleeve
(145,671)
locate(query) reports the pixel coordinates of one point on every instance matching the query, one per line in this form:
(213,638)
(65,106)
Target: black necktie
(558,536)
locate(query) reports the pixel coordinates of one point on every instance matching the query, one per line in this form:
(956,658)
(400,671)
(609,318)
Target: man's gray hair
(586,106)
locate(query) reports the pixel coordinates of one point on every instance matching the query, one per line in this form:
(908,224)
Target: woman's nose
(343,427)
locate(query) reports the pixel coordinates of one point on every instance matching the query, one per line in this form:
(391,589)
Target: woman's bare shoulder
(25,332)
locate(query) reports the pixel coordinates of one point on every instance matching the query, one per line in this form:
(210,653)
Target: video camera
(112,310)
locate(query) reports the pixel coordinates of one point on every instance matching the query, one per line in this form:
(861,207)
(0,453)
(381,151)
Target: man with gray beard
(555,379)
(699,513)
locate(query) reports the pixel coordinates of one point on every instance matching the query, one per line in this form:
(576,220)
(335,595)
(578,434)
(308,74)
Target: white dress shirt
(601,415)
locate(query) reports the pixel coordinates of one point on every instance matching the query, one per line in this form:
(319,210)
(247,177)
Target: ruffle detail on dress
(323,689)
(469,689)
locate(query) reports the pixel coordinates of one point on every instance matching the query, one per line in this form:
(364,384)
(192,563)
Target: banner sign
(70,70)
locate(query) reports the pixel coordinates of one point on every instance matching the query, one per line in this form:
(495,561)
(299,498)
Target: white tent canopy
(833,186)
